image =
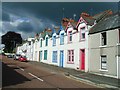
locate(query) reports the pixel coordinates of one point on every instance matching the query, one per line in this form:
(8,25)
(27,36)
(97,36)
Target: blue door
(61,58)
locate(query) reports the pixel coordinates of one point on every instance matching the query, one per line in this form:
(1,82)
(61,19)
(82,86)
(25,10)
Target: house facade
(104,47)
(92,44)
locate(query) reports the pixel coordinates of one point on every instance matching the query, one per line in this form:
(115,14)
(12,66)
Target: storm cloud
(25,27)
(29,18)
(5,17)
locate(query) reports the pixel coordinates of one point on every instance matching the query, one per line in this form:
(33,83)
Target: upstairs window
(46,41)
(40,42)
(69,36)
(82,33)
(62,39)
(103,39)
(54,40)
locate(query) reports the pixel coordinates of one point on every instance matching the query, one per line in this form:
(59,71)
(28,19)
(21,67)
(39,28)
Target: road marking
(21,68)
(35,77)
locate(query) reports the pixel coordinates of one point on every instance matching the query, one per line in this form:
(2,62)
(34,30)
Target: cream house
(104,47)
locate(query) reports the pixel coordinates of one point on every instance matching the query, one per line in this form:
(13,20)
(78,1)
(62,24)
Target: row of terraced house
(92,44)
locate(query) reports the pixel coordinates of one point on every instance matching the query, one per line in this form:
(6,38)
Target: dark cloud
(5,17)
(45,14)
(25,27)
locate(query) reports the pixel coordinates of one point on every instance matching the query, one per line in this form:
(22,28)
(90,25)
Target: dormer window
(69,36)
(54,40)
(82,33)
(62,39)
(40,42)
(46,41)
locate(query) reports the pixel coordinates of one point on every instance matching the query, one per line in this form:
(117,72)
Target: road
(16,74)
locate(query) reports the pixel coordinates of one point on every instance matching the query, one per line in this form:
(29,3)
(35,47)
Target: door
(40,53)
(82,59)
(61,58)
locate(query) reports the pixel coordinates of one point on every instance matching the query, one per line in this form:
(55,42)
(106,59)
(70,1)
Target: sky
(29,18)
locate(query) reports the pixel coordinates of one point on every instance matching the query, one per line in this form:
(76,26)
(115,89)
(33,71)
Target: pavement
(89,78)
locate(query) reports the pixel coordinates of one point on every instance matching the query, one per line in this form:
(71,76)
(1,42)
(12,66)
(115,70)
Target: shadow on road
(11,77)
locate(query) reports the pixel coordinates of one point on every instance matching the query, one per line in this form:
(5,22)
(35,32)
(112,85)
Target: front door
(61,58)
(40,56)
(82,59)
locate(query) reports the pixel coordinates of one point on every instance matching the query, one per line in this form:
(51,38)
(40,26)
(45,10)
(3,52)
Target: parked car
(17,56)
(10,55)
(22,59)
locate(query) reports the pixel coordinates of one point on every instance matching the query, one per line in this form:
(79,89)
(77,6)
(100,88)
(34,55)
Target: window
(54,40)
(119,35)
(104,62)
(29,42)
(82,33)
(45,54)
(46,41)
(70,56)
(70,36)
(54,58)
(40,42)
(62,39)
(104,39)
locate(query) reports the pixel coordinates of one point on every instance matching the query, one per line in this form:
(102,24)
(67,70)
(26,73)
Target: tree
(10,39)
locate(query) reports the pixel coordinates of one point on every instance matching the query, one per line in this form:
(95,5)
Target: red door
(82,59)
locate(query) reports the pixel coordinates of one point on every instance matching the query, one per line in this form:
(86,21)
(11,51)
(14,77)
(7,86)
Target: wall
(96,50)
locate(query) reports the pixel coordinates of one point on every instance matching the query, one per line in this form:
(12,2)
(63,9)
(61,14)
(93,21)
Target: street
(16,74)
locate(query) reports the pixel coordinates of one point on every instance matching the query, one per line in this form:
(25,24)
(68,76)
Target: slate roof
(47,31)
(102,15)
(109,23)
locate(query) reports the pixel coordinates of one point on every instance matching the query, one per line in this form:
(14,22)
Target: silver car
(16,57)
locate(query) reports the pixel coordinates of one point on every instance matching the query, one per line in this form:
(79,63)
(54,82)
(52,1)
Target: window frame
(54,57)
(69,36)
(103,38)
(46,41)
(41,42)
(81,32)
(70,59)
(54,40)
(61,38)
(102,67)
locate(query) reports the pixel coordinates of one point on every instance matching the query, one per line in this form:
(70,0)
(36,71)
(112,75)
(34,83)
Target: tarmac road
(16,74)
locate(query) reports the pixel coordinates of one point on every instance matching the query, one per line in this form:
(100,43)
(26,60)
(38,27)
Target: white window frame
(71,55)
(101,64)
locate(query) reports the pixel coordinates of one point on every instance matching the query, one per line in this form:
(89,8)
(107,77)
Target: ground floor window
(70,56)
(54,57)
(45,54)
(103,62)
